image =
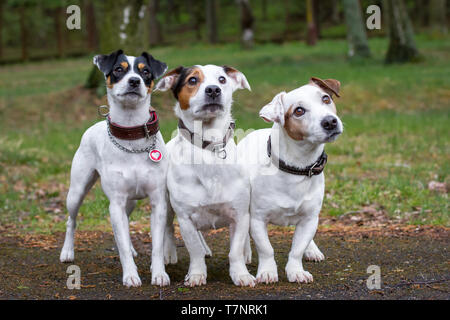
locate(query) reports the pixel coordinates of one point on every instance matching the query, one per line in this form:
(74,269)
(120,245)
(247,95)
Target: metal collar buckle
(310,171)
(219,150)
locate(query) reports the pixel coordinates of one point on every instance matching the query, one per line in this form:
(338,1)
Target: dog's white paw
(193,280)
(267,276)
(314,255)
(300,276)
(170,254)
(67,255)
(243,280)
(160,279)
(131,280)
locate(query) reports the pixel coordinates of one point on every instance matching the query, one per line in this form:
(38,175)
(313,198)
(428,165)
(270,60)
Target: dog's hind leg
(82,178)
(170,247)
(312,253)
(131,204)
(248,250)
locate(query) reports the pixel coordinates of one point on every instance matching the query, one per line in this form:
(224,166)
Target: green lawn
(396,118)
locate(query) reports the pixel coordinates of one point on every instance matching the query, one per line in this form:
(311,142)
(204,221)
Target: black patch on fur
(181,80)
(108,64)
(155,67)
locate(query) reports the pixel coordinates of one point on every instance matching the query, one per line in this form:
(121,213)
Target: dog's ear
(156,67)
(106,62)
(274,111)
(240,81)
(169,80)
(330,86)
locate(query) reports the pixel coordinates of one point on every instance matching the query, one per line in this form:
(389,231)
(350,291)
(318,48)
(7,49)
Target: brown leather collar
(206,144)
(312,170)
(137,132)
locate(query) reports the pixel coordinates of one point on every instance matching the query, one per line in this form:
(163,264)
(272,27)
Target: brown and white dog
(285,165)
(207,188)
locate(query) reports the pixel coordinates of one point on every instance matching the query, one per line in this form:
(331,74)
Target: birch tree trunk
(356,30)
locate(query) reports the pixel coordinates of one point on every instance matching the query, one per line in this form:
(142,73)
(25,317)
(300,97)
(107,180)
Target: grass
(396,137)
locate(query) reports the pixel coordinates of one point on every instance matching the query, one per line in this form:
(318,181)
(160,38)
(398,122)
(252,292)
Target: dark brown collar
(312,170)
(137,132)
(206,144)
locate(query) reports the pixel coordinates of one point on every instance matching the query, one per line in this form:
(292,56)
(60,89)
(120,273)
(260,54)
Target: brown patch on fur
(124,64)
(150,87)
(330,86)
(294,127)
(188,90)
(108,82)
(141,66)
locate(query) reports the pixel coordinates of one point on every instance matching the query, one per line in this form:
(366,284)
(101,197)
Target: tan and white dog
(120,151)
(285,165)
(207,188)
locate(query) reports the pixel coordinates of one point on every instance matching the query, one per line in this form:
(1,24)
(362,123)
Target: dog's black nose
(213,91)
(134,82)
(329,123)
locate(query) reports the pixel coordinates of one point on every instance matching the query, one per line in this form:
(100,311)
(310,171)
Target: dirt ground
(414,264)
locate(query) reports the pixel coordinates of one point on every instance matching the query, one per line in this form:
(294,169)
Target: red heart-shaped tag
(155,155)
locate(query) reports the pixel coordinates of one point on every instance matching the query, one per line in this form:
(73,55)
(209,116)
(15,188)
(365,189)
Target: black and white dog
(128,152)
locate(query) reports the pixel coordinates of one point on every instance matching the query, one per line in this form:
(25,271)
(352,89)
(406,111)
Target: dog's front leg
(304,233)
(119,221)
(267,267)
(170,247)
(196,275)
(238,236)
(158,222)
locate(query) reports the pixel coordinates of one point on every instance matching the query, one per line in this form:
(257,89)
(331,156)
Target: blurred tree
(1,28)
(247,20)
(155,34)
(131,38)
(264,9)
(438,19)
(23,31)
(402,47)
(311,35)
(109,36)
(58,15)
(356,30)
(211,20)
(91,26)
(335,17)
(195,16)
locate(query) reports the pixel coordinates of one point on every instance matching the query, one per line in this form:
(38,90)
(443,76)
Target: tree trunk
(131,38)
(311,35)
(438,10)
(211,20)
(1,29)
(109,38)
(23,32)
(402,47)
(264,9)
(155,35)
(335,17)
(57,15)
(91,26)
(356,32)
(246,23)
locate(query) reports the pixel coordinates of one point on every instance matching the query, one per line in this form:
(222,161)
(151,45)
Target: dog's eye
(118,69)
(192,81)
(326,99)
(145,72)
(299,111)
(222,80)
